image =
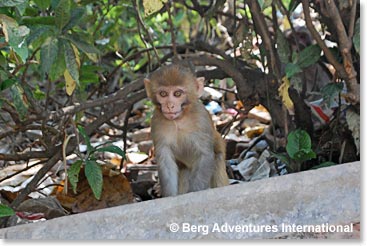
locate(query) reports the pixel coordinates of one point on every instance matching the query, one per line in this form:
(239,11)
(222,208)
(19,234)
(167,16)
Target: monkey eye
(163,93)
(178,93)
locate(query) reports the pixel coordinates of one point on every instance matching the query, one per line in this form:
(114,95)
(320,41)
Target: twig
(245,90)
(57,151)
(64,145)
(260,24)
(34,182)
(345,45)
(172,30)
(20,171)
(141,23)
(320,42)
(342,151)
(352,19)
(124,133)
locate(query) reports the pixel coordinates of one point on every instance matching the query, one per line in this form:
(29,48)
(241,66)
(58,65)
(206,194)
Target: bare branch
(320,42)
(260,24)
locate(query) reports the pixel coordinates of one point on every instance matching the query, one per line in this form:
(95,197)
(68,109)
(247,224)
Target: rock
(33,134)
(141,135)
(49,206)
(273,170)
(330,195)
(145,146)
(251,154)
(260,146)
(264,155)
(248,167)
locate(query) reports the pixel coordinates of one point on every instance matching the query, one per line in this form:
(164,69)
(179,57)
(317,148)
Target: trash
(213,107)
(260,113)
(248,167)
(262,172)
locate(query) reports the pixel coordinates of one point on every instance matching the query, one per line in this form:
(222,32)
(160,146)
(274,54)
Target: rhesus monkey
(190,153)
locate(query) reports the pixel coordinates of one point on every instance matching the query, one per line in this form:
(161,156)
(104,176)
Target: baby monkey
(189,151)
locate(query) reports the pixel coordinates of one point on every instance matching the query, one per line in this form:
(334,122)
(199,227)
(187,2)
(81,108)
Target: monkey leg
(201,173)
(183,180)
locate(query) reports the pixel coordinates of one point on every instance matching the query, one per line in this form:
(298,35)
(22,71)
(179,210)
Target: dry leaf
(283,93)
(70,83)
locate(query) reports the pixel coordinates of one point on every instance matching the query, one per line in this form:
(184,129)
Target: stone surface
(328,195)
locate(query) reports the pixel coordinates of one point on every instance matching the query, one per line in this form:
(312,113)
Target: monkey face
(172,101)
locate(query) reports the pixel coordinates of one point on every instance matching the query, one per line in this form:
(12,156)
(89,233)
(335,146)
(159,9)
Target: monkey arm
(167,171)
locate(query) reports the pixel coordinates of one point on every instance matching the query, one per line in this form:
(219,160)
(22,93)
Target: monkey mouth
(172,115)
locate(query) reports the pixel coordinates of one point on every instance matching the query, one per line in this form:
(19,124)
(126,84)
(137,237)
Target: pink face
(171,99)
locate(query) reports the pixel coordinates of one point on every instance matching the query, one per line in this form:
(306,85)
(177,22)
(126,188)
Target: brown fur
(189,151)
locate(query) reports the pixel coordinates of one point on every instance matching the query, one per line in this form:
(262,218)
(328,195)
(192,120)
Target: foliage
(6,211)
(92,170)
(299,146)
(303,59)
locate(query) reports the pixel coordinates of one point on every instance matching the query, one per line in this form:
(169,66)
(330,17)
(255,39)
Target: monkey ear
(200,82)
(147,85)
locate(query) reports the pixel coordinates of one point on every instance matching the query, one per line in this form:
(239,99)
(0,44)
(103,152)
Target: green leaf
(17,40)
(6,211)
(113,149)
(73,174)
(20,104)
(38,20)
(38,94)
(7,83)
(38,36)
(59,65)
(264,3)
(86,138)
(331,91)
(93,172)
(11,3)
(76,16)
(292,5)
(324,164)
(81,43)
(283,47)
(43,4)
(291,69)
(356,36)
(48,54)
(71,61)
(62,13)
(299,146)
(304,155)
(89,74)
(310,55)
